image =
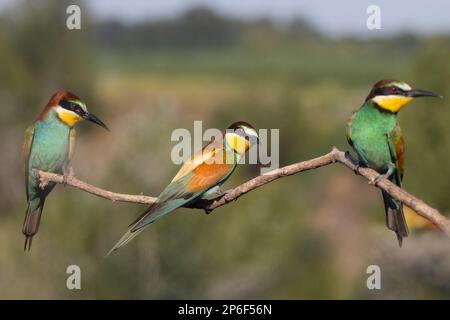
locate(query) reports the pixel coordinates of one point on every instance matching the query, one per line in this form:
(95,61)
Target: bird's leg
(387,175)
(356,162)
(67,172)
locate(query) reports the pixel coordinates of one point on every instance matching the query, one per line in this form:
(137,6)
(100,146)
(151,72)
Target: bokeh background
(147,68)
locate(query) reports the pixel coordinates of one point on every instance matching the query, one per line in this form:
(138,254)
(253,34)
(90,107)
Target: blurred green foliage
(308,236)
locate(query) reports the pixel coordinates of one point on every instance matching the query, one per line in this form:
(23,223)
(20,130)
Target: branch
(47,177)
(334,156)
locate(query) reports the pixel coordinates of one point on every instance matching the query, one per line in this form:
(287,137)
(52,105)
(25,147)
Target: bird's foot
(375,180)
(356,162)
(208,211)
(387,175)
(67,173)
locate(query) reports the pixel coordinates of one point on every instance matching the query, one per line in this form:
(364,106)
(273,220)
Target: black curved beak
(422,93)
(92,118)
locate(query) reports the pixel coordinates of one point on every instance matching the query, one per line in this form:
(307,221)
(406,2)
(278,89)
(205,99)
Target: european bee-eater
(375,135)
(49,145)
(200,177)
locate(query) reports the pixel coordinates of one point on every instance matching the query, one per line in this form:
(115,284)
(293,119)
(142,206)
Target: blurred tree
(198,27)
(39,56)
(427,132)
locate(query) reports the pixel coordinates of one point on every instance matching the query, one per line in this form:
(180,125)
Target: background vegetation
(308,236)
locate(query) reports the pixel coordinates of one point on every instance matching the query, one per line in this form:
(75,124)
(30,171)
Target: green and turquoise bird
(49,145)
(375,135)
(199,177)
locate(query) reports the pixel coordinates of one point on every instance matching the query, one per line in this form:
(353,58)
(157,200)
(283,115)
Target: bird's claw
(387,175)
(67,173)
(208,211)
(375,180)
(355,162)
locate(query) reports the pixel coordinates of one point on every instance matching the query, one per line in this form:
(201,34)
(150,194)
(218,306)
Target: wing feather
(209,151)
(349,125)
(397,150)
(194,179)
(26,151)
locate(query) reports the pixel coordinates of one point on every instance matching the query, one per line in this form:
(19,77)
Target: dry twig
(334,156)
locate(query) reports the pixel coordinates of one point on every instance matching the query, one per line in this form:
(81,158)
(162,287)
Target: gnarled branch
(334,156)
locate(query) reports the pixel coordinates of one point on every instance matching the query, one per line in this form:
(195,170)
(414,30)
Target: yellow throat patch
(239,144)
(68,117)
(392,103)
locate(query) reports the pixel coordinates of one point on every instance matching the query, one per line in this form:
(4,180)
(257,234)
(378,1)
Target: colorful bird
(200,177)
(375,135)
(49,145)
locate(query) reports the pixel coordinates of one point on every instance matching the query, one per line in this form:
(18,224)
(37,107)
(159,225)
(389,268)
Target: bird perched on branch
(198,178)
(49,145)
(375,135)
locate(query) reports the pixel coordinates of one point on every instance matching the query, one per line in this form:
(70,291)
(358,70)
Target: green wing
(184,190)
(174,196)
(26,151)
(395,219)
(397,150)
(177,194)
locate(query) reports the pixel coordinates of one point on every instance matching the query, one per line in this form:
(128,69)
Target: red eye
(394,90)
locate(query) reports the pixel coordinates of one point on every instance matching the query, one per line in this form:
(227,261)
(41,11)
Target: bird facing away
(49,145)
(199,177)
(375,135)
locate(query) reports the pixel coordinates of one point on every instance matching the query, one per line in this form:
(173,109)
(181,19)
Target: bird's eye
(65,104)
(394,90)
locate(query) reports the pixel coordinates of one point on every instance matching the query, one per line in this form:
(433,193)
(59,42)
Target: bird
(415,222)
(199,178)
(49,145)
(374,133)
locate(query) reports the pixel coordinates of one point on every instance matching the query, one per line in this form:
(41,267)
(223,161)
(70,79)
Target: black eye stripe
(385,91)
(71,106)
(65,104)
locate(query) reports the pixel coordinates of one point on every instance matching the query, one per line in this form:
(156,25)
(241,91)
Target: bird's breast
(50,147)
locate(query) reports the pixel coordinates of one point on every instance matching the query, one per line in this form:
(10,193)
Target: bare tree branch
(47,177)
(333,156)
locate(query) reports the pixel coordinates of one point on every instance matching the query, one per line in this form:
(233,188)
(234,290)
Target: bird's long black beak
(422,93)
(92,118)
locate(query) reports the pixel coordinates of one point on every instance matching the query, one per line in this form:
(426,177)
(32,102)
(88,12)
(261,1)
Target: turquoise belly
(50,146)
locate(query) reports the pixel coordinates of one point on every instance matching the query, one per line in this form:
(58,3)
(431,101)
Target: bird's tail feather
(127,237)
(149,216)
(31,223)
(395,219)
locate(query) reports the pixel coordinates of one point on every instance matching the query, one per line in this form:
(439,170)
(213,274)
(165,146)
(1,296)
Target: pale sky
(333,17)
